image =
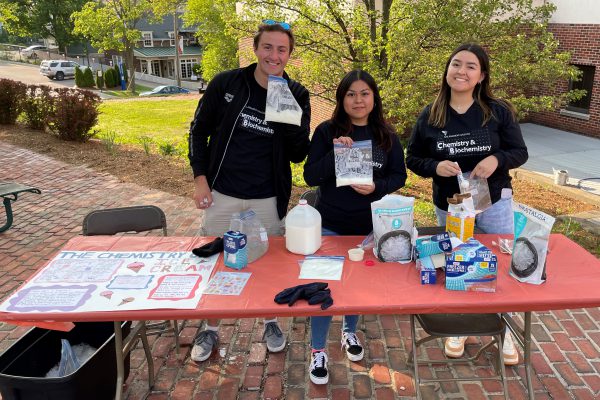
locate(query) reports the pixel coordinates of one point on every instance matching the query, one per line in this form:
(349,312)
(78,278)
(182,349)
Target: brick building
(576,25)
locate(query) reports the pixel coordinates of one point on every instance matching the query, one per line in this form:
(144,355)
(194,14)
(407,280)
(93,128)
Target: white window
(147,36)
(186,67)
(172,39)
(192,39)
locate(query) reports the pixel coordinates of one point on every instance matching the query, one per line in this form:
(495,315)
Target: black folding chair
(451,325)
(133,219)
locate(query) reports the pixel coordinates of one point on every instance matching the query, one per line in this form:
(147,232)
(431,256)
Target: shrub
(197,69)
(38,106)
(88,77)
(78,77)
(75,113)
(99,80)
(146,142)
(108,81)
(109,139)
(114,77)
(12,94)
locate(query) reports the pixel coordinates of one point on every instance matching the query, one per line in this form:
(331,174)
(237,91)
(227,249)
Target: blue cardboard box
(426,270)
(471,267)
(235,251)
(436,244)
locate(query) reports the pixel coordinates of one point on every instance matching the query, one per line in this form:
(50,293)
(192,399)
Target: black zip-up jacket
(465,141)
(216,117)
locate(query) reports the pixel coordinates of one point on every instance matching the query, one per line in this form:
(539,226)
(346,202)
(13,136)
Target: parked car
(59,69)
(165,90)
(30,52)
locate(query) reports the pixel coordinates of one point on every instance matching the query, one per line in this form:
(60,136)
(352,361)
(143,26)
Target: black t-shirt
(247,169)
(344,210)
(464,140)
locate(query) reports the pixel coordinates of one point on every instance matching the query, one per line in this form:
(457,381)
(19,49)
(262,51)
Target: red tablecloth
(385,288)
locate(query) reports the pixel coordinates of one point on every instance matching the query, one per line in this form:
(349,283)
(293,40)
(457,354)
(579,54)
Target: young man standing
(240,160)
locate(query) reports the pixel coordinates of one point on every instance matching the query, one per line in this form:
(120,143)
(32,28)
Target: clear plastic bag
(281,105)
(479,189)
(68,360)
(247,222)
(393,229)
(353,164)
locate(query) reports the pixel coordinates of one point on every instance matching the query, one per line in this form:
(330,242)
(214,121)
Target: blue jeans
(499,218)
(319,326)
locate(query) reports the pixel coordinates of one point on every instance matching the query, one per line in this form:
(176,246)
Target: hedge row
(69,113)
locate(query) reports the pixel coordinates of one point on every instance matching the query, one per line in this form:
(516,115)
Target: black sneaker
(318,368)
(351,344)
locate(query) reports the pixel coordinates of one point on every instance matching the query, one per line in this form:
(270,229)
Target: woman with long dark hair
(346,210)
(468,129)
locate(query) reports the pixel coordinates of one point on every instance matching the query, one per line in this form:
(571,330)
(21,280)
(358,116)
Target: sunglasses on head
(282,24)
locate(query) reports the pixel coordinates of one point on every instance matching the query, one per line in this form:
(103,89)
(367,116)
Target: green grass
(161,120)
(127,93)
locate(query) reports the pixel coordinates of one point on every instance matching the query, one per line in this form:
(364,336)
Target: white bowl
(356,254)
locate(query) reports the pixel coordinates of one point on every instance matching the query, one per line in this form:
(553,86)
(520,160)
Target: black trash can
(24,365)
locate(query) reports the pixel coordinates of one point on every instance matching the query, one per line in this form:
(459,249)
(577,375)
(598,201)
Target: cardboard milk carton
(235,251)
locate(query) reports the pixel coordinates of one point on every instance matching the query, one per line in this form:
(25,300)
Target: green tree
(404,44)
(88,77)
(41,18)
(111,24)
(215,33)
(78,77)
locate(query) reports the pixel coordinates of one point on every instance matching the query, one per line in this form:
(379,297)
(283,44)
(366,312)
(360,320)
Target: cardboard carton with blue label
(471,267)
(235,250)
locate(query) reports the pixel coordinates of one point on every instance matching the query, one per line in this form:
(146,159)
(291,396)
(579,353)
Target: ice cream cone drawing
(136,266)
(107,293)
(127,300)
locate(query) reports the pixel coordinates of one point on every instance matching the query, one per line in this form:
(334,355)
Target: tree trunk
(130,68)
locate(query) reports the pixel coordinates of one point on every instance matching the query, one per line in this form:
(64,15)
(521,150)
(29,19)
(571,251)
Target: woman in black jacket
(468,129)
(346,210)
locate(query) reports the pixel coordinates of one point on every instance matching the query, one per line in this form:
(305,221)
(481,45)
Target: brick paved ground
(566,355)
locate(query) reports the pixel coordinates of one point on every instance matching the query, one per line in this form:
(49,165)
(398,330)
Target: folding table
(384,288)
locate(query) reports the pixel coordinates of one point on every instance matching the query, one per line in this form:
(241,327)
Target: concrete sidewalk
(566,347)
(552,149)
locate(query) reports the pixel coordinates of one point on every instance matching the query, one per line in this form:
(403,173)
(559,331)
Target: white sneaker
(509,350)
(350,343)
(318,368)
(455,346)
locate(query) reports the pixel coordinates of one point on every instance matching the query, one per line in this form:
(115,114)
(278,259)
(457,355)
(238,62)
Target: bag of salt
(353,165)
(393,228)
(532,232)
(281,105)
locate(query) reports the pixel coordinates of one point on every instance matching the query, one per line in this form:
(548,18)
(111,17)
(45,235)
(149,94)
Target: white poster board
(81,281)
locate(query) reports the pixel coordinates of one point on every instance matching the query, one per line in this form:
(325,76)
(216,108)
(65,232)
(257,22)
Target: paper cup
(356,254)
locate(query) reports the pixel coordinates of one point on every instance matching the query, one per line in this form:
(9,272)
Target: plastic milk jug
(303,229)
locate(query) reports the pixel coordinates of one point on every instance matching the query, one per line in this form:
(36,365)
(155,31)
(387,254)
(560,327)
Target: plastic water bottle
(248,223)
(303,229)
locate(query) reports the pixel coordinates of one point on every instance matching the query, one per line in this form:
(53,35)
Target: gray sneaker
(204,344)
(274,337)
